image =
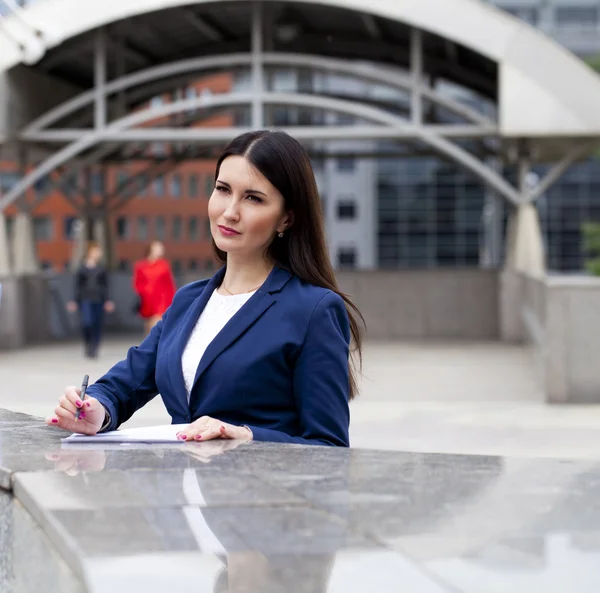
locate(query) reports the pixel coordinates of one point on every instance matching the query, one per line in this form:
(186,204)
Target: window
(123,265)
(158,149)
(345,119)
(122,227)
(576,15)
(193,265)
(345,164)
(525,13)
(159,186)
(193,228)
(42,186)
(42,228)
(70,224)
(142,228)
(98,183)
(176,186)
(8,180)
(207,232)
(209,185)
(347,257)
(10,227)
(176,267)
(346,209)
(190,93)
(47,266)
(209,264)
(142,184)
(122,178)
(193,186)
(177,227)
(160,228)
(318,163)
(69,186)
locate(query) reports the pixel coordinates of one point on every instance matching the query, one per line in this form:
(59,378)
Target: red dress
(153,282)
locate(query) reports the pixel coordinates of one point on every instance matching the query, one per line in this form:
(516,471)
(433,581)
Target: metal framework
(77,148)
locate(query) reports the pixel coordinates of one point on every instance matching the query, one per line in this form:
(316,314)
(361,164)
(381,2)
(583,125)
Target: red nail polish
(82,415)
(198,437)
(88,404)
(78,404)
(182,437)
(54,421)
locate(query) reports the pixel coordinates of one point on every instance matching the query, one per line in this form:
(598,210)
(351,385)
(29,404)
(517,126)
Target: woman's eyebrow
(248,191)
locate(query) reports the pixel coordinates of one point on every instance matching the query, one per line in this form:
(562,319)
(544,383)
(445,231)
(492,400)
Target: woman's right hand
(72,307)
(91,417)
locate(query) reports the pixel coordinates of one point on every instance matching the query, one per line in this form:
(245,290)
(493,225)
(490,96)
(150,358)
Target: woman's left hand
(207,429)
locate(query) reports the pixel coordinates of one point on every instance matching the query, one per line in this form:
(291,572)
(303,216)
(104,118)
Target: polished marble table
(221,517)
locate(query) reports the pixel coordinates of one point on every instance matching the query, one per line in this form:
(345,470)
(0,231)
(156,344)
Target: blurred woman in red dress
(154,283)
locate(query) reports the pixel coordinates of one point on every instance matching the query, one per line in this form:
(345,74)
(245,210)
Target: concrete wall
(415,304)
(24,311)
(452,304)
(561,321)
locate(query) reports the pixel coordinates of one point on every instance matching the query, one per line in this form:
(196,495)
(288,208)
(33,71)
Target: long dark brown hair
(303,249)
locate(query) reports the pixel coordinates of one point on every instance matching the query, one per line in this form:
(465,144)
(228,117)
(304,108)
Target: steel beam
(258,83)
(209,135)
(202,26)
(558,170)
(416,73)
(383,75)
(434,140)
(100,80)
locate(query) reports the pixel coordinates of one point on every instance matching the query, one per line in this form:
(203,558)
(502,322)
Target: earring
(280,235)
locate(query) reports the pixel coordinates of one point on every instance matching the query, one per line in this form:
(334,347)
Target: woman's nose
(232,210)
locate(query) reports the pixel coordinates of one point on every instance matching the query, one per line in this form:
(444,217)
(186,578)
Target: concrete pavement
(478,398)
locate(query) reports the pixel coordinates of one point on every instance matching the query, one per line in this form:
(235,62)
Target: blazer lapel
(250,312)
(187,325)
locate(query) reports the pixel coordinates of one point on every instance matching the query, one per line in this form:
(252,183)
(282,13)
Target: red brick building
(172,207)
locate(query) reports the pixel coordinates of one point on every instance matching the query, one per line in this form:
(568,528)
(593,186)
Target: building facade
(385,205)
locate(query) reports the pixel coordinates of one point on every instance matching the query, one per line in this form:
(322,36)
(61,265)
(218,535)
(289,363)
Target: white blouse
(218,311)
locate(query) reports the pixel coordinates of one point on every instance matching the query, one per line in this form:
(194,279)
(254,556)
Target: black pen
(84,386)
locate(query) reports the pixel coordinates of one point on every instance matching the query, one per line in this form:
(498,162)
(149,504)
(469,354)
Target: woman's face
(245,210)
(95,254)
(157,250)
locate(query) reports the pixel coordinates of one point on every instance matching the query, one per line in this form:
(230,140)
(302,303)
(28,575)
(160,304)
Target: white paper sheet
(147,434)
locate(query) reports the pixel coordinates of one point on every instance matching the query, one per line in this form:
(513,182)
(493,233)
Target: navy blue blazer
(279,366)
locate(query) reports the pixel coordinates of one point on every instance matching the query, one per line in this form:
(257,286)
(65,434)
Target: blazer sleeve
(321,380)
(130,384)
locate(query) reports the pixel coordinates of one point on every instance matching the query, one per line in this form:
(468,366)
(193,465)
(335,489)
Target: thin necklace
(232,294)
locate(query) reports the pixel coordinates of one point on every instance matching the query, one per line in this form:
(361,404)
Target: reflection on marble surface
(269,518)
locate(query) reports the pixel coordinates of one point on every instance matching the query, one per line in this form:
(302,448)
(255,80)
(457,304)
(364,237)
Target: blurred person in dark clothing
(91,298)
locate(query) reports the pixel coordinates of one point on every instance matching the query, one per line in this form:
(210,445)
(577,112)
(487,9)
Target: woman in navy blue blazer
(264,349)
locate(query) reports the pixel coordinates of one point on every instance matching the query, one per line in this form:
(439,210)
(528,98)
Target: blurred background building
(385,207)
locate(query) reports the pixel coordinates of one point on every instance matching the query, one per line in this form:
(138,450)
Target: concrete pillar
(80,238)
(524,242)
(24,249)
(102,234)
(4,248)
(524,257)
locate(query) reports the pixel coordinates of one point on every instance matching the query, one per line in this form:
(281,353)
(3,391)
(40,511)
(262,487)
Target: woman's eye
(221,188)
(254,199)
